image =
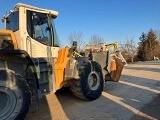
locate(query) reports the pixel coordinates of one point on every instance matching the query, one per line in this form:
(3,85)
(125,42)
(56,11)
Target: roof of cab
(52,12)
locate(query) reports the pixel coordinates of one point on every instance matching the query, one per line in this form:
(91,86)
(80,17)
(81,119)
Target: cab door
(39,46)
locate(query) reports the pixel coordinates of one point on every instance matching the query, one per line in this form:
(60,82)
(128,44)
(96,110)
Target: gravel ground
(134,97)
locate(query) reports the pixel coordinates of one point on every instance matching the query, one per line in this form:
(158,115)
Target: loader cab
(35,33)
(34,29)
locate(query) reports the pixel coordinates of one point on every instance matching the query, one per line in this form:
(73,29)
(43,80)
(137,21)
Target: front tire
(90,84)
(15,96)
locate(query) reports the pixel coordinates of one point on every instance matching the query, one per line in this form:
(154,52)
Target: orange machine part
(60,66)
(12,37)
(116,68)
(113,68)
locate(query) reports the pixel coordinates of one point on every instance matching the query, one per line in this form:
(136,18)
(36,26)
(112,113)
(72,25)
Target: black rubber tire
(15,96)
(81,88)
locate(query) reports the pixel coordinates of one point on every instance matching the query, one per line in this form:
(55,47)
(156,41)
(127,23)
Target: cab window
(38,28)
(12,21)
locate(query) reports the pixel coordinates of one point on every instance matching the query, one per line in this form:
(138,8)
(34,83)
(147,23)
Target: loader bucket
(116,67)
(112,64)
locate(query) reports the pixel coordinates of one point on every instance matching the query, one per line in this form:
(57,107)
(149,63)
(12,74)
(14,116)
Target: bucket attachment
(116,67)
(112,64)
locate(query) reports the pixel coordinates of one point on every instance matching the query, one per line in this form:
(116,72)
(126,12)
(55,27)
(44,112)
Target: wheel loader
(32,65)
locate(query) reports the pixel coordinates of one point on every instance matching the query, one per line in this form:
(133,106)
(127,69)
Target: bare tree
(76,36)
(129,49)
(96,39)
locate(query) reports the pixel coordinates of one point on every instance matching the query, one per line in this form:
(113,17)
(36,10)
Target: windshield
(12,21)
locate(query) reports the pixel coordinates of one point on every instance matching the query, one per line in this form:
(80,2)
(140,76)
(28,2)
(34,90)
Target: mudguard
(21,57)
(73,66)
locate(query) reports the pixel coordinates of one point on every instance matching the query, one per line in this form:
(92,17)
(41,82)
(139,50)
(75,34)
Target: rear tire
(90,84)
(15,96)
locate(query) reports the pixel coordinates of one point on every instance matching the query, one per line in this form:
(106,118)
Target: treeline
(149,46)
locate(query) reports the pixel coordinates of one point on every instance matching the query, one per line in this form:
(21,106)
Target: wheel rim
(93,80)
(3,101)
(7,102)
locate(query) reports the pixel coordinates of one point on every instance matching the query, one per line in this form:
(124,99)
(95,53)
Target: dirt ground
(135,97)
(152,109)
